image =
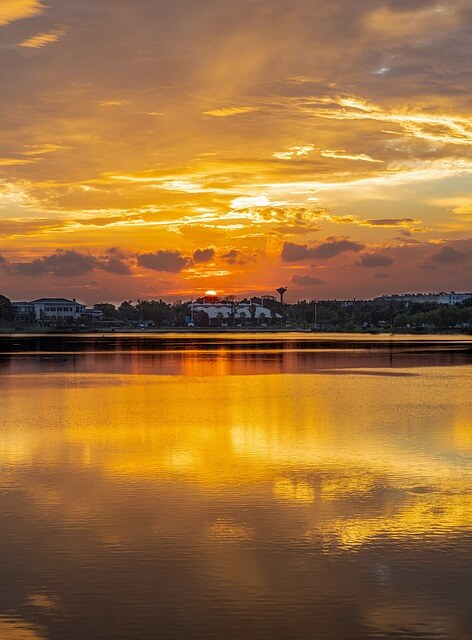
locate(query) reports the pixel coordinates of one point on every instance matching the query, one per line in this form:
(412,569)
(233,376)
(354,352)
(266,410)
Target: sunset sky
(158,148)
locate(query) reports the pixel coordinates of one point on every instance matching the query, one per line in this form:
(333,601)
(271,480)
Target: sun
(210,293)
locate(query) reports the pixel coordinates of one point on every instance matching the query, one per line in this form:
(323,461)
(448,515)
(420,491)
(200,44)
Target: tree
(156,311)
(6,309)
(402,320)
(179,311)
(108,310)
(127,312)
(201,319)
(232,313)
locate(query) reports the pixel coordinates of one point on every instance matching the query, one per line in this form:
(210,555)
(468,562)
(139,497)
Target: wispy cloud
(294,152)
(15,162)
(42,39)
(41,149)
(412,122)
(344,155)
(113,103)
(226,112)
(461,205)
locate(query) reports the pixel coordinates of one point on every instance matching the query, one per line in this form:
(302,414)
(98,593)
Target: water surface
(218,486)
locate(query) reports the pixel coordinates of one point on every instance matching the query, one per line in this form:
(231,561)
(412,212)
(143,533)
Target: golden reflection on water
(314,441)
(13,629)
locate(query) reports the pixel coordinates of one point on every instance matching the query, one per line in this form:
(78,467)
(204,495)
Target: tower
(281,291)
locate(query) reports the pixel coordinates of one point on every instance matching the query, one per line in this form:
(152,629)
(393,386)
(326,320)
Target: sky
(157,148)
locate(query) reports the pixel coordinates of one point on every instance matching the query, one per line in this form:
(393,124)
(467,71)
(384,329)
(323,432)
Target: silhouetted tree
(109,311)
(6,309)
(127,312)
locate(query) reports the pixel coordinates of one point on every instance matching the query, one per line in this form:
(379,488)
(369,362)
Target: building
(228,312)
(45,309)
(436,298)
(94,314)
(23,311)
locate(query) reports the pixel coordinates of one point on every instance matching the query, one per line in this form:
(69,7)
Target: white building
(48,309)
(228,313)
(437,298)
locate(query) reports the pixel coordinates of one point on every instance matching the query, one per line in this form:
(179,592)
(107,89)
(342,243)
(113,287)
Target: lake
(235,487)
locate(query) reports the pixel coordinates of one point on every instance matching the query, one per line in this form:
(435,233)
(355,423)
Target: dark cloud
(389,222)
(372,260)
(231,256)
(168,261)
(69,262)
(115,261)
(307,281)
(333,247)
(447,255)
(203,255)
(293,252)
(234,257)
(406,239)
(63,263)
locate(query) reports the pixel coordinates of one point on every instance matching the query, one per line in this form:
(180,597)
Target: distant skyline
(159,149)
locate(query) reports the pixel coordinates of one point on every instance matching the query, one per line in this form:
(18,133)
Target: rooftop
(55,300)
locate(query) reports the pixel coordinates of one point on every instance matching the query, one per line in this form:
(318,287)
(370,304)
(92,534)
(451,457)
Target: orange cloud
(226,112)
(11,10)
(42,39)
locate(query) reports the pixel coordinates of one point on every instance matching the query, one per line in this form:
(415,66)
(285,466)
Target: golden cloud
(341,153)
(11,10)
(226,112)
(414,122)
(294,152)
(42,39)
(41,149)
(113,103)
(458,205)
(13,162)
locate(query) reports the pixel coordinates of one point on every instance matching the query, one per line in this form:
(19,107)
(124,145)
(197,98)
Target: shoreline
(233,331)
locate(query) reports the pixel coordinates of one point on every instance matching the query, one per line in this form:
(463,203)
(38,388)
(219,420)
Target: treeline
(157,312)
(382,314)
(325,315)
